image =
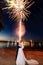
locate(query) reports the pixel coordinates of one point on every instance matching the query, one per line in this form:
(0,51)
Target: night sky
(34,24)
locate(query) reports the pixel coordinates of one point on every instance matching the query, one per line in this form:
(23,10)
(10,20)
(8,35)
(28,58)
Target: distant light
(40,44)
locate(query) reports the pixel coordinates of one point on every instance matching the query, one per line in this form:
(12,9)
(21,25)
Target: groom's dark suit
(17,49)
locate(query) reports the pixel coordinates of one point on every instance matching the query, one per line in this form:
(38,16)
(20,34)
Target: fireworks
(18,9)
(20,30)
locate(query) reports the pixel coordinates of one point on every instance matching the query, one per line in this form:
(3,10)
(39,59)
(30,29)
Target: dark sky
(34,25)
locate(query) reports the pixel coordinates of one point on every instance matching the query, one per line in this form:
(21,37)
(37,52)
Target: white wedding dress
(21,60)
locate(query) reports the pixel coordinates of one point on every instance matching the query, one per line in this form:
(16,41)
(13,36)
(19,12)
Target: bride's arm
(22,45)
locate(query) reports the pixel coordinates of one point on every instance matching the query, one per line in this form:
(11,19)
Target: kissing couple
(20,56)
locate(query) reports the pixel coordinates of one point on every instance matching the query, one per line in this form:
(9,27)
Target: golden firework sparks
(19,8)
(20,34)
(20,30)
(19,11)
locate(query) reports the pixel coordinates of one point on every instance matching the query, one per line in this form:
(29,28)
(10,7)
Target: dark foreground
(7,56)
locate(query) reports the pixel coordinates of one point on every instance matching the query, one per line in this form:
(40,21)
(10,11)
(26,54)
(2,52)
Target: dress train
(21,59)
(32,62)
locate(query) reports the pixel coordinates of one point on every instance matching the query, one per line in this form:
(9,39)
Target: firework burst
(18,9)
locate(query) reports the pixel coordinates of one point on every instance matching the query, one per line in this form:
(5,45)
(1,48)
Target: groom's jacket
(17,49)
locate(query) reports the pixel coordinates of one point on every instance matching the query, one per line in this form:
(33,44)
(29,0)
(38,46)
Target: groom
(17,49)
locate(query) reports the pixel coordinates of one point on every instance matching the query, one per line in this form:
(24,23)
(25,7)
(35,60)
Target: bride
(21,59)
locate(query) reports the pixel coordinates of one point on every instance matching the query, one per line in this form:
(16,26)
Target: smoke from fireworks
(20,30)
(19,10)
